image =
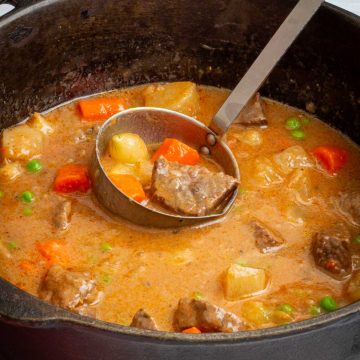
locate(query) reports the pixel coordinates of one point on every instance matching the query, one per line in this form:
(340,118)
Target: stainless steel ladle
(153,125)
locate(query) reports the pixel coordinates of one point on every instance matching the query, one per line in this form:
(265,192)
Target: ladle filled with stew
(191,192)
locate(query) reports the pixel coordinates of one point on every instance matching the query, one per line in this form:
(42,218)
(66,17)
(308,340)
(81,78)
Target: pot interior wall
(63,49)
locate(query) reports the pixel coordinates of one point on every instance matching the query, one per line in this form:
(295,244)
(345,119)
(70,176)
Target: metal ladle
(153,125)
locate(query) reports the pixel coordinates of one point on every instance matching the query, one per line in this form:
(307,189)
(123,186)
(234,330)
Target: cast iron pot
(54,50)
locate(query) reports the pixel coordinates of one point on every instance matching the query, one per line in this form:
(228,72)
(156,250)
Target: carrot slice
(53,251)
(129,185)
(192,330)
(331,157)
(26,266)
(176,151)
(72,178)
(100,108)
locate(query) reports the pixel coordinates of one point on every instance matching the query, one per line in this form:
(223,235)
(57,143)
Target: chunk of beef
(205,316)
(265,239)
(191,190)
(332,255)
(62,214)
(74,291)
(348,204)
(253,114)
(143,320)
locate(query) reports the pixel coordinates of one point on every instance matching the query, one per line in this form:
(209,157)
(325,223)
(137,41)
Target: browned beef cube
(253,114)
(71,290)
(205,316)
(265,239)
(62,214)
(143,320)
(332,255)
(190,190)
(348,204)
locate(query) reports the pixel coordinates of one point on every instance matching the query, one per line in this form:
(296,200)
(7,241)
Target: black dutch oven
(54,50)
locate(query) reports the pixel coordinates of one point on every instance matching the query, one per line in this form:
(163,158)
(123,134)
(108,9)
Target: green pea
(293,123)
(2,194)
(327,303)
(27,211)
(357,239)
(106,246)
(107,278)
(298,134)
(242,190)
(34,166)
(27,197)
(305,121)
(286,308)
(197,295)
(314,310)
(12,245)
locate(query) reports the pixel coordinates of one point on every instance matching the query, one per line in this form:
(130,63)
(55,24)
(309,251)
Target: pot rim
(57,316)
(60,316)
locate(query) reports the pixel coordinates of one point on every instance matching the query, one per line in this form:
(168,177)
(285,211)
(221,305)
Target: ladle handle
(262,66)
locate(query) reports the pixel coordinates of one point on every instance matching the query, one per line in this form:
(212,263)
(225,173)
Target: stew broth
(152,269)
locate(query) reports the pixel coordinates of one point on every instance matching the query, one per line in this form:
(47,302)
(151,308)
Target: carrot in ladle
(176,151)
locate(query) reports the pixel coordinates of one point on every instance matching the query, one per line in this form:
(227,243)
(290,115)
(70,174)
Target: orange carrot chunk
(71,178)
(100,108)
(192,330)
(53,251)
(27,266)
(331,158)
(176,151)
(129,185)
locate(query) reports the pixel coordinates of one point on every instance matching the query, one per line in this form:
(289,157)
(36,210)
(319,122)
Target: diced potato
(300,185)
(255,313)
(128,148)
(10,171)
(294,157)
(243,281)
(264,173)
(250,137)
(354,286)
(141,170)
(144,171)
(22,143)
(179,96)
(38,122)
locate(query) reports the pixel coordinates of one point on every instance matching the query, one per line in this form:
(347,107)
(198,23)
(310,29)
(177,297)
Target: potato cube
(142,170)
(241,281)
(300,186)
(263,173)
(294,157)
(38,122)
(22,142)
(10,171)
(128,148)
(179,96)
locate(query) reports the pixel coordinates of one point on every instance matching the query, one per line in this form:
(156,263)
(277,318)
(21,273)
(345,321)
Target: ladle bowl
(153,125)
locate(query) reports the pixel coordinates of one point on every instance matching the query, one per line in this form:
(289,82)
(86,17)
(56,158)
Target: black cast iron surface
(59,49)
